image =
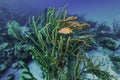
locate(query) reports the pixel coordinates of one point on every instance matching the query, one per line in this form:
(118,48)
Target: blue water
(102,10)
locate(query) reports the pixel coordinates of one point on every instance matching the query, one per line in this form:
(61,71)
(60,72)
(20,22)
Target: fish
(65,30)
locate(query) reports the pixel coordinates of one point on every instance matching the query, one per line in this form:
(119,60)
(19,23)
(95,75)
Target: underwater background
(59,40)
(103,10)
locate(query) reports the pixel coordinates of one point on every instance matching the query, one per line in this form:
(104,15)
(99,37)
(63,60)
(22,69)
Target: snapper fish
(66,30)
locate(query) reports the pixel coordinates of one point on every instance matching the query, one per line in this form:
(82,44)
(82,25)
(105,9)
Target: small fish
(66,30)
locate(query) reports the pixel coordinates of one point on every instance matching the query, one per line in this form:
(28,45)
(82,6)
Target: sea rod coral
(54,46)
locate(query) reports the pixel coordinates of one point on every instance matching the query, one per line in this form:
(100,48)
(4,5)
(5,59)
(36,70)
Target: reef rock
(2,68)
(108,43)
(104,54)
(89,76)
(10,77)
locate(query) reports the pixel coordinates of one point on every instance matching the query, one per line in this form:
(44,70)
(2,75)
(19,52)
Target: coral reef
(60,53)
(59,43)
(104,36)
(116,61)
(26,72)
(8,15)
(116,28)
(109,43)
(11,50)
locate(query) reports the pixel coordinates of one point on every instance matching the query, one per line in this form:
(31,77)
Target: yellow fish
(66,30)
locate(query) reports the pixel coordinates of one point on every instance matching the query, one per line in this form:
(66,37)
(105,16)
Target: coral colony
(60,45)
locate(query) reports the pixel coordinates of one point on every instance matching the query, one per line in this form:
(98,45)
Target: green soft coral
(56,52)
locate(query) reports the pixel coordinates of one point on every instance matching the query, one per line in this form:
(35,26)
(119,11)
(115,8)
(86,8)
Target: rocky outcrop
(2,68)
(108,43)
